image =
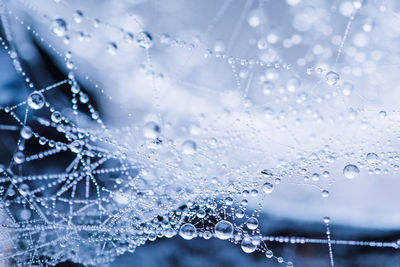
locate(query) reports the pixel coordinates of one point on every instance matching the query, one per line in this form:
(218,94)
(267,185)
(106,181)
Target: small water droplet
(78,15)
(59,27)
(332,78)
(112,48)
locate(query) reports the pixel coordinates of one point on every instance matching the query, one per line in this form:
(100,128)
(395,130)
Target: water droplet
(252,223)
(26,132)
(189,147)
(269,254)
(247,245)
(36,100)
(332,78)
(351,171)
(239,213)
(372,158)
(325,193)
(84,98)
(128,37)
(268,188)
(76,146)
(63,242)
(78,15)
(188,231)
(262,44)
(25,214)
(19,157)
(59,27)
(24,189)
(56,116)
(201,213)
(144,40)
(223,230)
(382,114)
(112,48)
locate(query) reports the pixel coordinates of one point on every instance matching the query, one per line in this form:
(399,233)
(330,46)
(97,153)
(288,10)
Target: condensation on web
(203,110)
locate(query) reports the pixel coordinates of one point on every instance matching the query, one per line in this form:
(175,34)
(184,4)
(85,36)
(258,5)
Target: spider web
(191,132)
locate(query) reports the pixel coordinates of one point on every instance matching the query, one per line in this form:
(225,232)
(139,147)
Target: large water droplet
(247,245)
(36,100)
(187,231)
(19,157)
(351,171)
(223,230)
(252,223)
(26,132)
(268,188)
(189,147)
(76,146)
(269,254)
(144,40)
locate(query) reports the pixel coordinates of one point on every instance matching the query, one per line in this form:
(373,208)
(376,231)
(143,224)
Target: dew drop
(36,100)
(269,254)
(268,188)
(56,117)
(76,146)
(78,15)
(351,171)
(332,78)
(325,193)
(224,230)
(372,158)
(19,157)
(144,40)
(59,27)
(189,147)
(247,245)
(26,132)
(187,231)
(252,223)
(112,48)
